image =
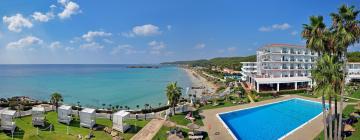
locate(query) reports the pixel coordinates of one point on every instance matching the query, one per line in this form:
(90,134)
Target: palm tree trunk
(324,118)
(336,120)
(330,118)
(342,95)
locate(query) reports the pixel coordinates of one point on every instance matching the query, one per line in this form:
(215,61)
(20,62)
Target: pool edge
(282,137)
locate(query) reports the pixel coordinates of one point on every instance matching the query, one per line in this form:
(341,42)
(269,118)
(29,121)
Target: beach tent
(38,117)
(64,114)
(7,122)
(118,121)
(87,117)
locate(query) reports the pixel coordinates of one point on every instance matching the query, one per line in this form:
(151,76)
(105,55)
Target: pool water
(272,121)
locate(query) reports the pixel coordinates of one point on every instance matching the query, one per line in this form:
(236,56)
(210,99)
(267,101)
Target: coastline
(199,81)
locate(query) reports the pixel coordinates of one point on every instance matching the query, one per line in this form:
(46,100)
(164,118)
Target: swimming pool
(270,121)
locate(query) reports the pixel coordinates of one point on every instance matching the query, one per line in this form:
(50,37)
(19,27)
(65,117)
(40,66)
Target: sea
(92,85)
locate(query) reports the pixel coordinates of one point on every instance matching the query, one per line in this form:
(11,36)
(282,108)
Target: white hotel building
(280,67)
(285,67)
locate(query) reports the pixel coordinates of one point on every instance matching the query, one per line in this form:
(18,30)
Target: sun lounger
(196,137)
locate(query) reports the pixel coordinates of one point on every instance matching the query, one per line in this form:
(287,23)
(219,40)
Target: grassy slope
(28,132)
(356,135)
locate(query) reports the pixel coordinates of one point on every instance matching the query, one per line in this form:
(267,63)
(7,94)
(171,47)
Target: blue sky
(134,31)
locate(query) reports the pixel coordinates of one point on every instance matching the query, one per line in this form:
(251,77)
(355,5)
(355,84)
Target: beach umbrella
(349,128)
(174,137)
(193,126)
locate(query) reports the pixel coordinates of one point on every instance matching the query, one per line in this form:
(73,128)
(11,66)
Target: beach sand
(199,81)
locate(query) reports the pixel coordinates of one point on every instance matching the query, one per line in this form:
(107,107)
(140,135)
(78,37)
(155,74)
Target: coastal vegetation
(55,99)
(222,62)
(173,94)
(332,43)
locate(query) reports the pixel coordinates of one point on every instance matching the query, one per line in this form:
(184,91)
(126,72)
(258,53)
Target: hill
(225,62)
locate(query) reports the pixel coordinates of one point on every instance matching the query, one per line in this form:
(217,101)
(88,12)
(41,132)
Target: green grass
(180,119)
(220,105)
(26,131)
(161,134)
(346,113)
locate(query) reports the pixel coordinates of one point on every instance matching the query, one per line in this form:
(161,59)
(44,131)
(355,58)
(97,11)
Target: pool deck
(217,131)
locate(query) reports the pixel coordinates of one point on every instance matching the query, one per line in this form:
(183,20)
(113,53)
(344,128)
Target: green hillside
(225,62)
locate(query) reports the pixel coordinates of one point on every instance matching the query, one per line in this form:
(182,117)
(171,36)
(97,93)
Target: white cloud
(38,16)
(200,46)
(55,45)
(92,46)
(294,33)
(108,41)
(90,35)
(70,8)
(25,42)
(52,6)
(274,27)
(143,30)
(231,49)
(126,49)
(69,49)
(155,45)
(169,27)
(17,22)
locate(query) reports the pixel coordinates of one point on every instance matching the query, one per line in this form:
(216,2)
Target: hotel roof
(282,45)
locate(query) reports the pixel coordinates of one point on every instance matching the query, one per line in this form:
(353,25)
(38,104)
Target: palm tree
(145,107)
(315,34)
(138,106)
(328,77)
(78,109)
(173,94)
(110,106)
(347,32)
(55,99)
(117,107)
(103,106)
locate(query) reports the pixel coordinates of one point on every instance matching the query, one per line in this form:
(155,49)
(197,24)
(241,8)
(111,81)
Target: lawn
(346,113)
(180,119)
(161,134)
(222,102)
(26,131)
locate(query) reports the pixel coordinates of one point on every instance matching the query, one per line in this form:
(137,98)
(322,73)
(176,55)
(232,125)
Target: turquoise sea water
(92,85)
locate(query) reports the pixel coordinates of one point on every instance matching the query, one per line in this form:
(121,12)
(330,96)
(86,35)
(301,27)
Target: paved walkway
(149,131)
(217,130)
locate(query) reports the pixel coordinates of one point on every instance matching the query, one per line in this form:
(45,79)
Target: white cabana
(118,121)
(7,122)
(64,114)
(87,117)
(38,117)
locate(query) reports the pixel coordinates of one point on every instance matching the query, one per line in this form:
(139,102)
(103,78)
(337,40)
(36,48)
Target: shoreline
(199,81)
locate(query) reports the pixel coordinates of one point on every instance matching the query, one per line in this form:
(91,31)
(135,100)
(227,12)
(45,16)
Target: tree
(159,104)
(103,105)
(173,94)
(328,77)
(138,106)
(55,99)
(346,28)
(117,107)
(334,41)
(145,107)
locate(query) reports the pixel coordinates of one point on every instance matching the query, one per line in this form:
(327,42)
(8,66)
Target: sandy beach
(199,81)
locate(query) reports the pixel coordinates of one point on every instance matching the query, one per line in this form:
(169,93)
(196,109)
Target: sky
(150,32)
